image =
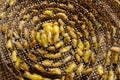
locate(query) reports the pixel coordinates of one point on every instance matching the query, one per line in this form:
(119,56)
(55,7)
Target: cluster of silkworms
(58,40)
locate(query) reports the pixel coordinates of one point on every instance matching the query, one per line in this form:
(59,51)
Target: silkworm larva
(87,56)
(66,38)
(88,71)
(51,48)
(115,58)
(74,42)
(16,35)
(33,44)
(93,58)
(79,52)
(18,62)
(35,19)
(67,59)
(25,31)
(18,45)
(32,56)
(48,12)
(9,44)
(100,69)
(111,75)
(24,66)
(56,64)
(39,67)
(80,68)
(78,58)
(86,33)
(32,35)
(62,15)
(44,40)
(14,56)
(55,71)
(25,44)
(70,76)
(59,44)
(38,36)
(71,67)
(116,49)
(33,76)
(4,28)
(87,45)
(47,62)
(81,45)
(65,49)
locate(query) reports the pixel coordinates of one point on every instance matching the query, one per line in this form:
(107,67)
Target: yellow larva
(25,31)
(33,44)
(59,44)
(78,58)
(18,45)
(111,75)
(80,68)
(25,44)
(32,35)
(47,62)
(53,56)
(38,36)
(62,15)
(9,44)
(65,49)
(79,52)
(33,76)
(66,38)
(4,28)
(87,45)
(74,42)
(55,71)
(67,59)
(87,56)
(70,76)
(35,19)
(48,12)
(88,71)
(24,66)
(116,49)
(14,56)
(32,56)
(16,35)
(71,67)
(56,64)
(81,45)
(39,67)
(44,39)
(100,69)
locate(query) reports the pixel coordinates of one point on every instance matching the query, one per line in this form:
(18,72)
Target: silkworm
(18,45)
(55,71)
(9,44)
(80,69)
(65,49)
(48,12)
(59,44)
(81,45)
(32,56)
(71,67)
(87,56)
(47,62)
(14,56)
(100,69)
(33,76)
(78,59)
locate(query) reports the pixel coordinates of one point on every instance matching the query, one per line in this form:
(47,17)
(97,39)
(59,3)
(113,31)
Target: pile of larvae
(47,40)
